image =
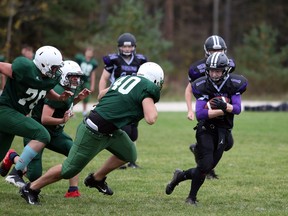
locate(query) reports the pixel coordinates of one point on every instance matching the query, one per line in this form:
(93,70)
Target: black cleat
(123,167)
(101,186)
(174,182)
(15,178)
(191,201)
(31,196)
(133,165)
(212,175)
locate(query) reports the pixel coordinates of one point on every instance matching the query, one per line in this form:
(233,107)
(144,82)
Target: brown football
(208,105)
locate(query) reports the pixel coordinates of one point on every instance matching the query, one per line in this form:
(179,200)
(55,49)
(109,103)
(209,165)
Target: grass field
(253,174)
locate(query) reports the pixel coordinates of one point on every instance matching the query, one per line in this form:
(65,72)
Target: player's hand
(68,114)
(190,115)
(218,103)
(65,95)
(84,93)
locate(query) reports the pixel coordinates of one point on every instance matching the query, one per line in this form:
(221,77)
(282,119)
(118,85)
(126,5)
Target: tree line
(170,32)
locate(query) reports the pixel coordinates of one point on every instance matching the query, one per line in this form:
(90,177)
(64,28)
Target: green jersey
(27,86)
(86,66)
(60,108)
(122,104)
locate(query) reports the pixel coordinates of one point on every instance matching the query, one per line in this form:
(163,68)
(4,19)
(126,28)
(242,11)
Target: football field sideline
(181,106)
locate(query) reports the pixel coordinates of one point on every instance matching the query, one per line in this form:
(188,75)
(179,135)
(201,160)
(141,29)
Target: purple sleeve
(201,112)
(236,103)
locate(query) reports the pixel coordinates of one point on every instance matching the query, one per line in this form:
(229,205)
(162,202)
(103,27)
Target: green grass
(253,174)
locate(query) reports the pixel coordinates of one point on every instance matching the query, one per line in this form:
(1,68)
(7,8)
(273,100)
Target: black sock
(72,188)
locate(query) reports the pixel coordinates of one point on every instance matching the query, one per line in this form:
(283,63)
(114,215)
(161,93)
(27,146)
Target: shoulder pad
(140,56)
(109,58)
(197,70)
(198,86)
(232,65)
(113,56)
(239,82)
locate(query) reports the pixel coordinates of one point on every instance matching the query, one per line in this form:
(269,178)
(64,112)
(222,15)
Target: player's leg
(123,150)
(62,144)
(20,125)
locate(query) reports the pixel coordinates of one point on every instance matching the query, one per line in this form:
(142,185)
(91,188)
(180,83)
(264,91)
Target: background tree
(171,32)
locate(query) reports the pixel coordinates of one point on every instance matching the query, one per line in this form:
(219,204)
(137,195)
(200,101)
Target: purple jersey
(117,66)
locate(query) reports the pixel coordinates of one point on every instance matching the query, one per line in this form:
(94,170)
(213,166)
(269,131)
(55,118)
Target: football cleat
(31,196)
(132,165)
(191,201)
(6,163)
(72,194)
(15,178)
(101,186)
(212,175)
(174,182)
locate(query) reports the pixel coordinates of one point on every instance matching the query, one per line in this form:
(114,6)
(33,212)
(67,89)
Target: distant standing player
(88,65)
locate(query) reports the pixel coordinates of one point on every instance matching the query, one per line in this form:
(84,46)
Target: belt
(90,125)
(93,126)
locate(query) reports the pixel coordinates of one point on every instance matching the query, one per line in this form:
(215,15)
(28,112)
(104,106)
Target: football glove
(218,103)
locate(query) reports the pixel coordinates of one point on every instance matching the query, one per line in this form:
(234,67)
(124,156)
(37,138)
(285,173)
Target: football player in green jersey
(135,98)
(27,83)
(53,115)
(88,65)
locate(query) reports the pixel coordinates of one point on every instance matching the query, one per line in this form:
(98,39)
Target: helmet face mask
(48,60)
(126,44)
(71,75)
(152,72)
(217,62)
(214,43)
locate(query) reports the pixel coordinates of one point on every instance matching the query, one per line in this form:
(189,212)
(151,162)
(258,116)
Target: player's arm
(52,95)
(92,80)
(150,111)
(48,119)
(102,93)
(235,106)
(3,81)
(82,95)
(188,99)
(104,80)
(202,113)
(6,69)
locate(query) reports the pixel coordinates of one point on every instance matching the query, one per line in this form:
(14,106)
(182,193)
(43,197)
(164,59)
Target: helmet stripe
(214,60)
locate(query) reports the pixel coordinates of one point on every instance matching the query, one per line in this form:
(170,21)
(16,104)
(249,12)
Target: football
(209,105)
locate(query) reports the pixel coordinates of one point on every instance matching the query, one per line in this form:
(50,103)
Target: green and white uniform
(87,67)
(19,97)
(121,105)
(60,141)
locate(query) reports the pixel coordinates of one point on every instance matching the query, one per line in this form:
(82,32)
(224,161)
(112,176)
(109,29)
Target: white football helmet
(152,72)
(48,60)
(71,68)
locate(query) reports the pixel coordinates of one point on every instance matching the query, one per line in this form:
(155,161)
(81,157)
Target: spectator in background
(27,51)
(88,65)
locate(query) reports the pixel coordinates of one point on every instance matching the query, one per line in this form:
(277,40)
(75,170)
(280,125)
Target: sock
(25,158)
(72,188)
(12,156)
